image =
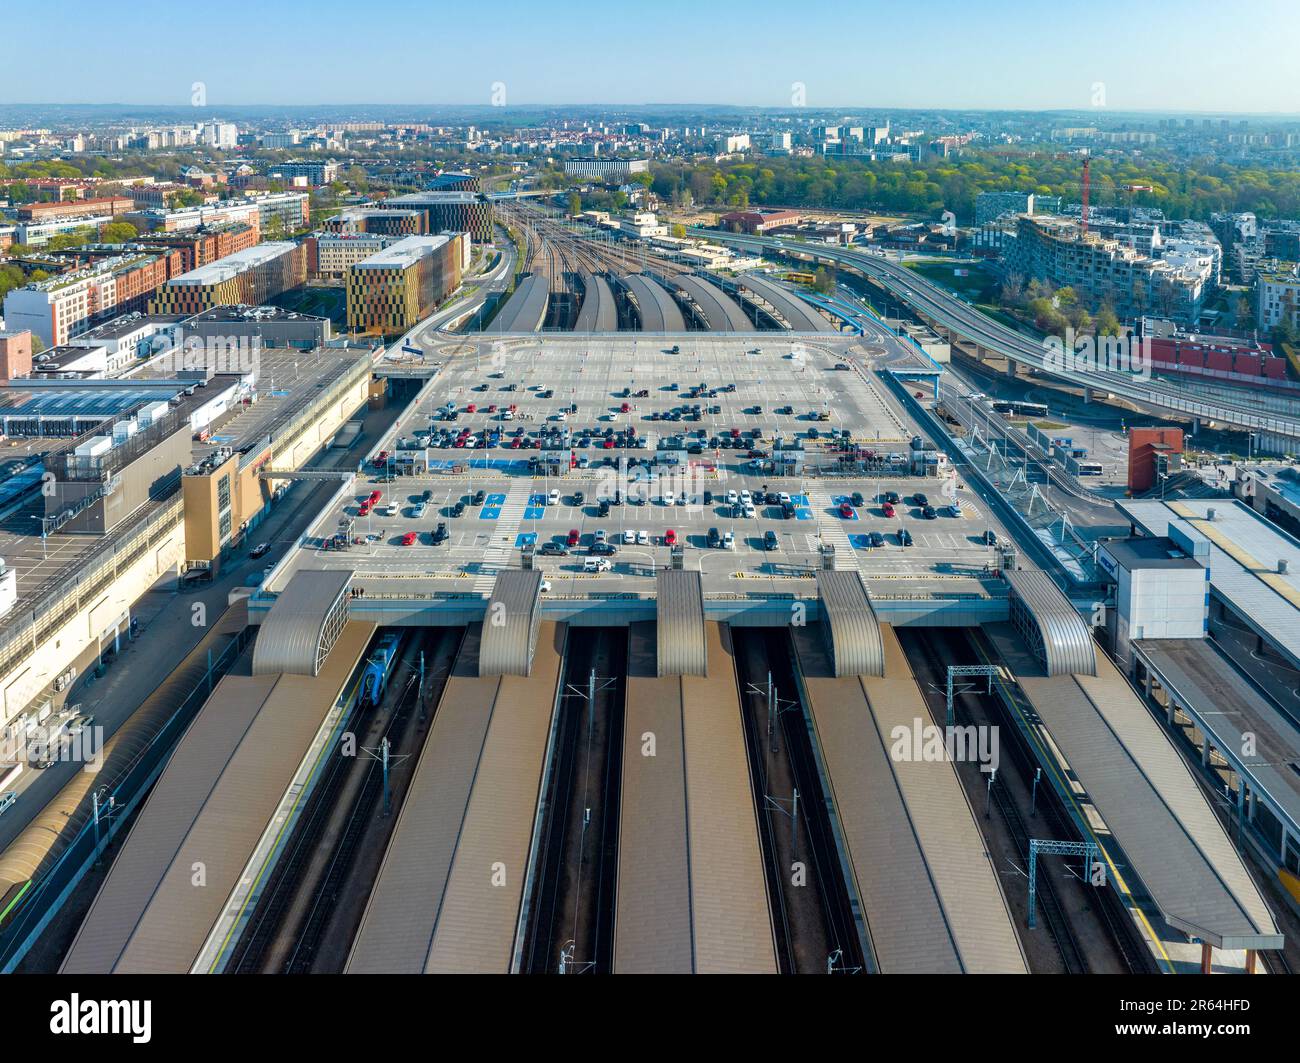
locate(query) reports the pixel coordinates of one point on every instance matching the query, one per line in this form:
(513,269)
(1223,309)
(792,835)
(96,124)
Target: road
(954,314)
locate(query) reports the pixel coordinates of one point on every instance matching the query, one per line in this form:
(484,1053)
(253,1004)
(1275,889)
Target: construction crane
(1083,214)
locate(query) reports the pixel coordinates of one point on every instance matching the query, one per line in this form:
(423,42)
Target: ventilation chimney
(1282,565)
(1209,513)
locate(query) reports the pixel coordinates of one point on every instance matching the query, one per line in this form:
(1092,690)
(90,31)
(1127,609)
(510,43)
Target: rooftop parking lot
(492,501)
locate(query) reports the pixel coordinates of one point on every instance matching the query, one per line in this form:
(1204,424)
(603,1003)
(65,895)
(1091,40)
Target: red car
(408,539)
(887,509)
(626,408)
(573,536)
(492,408)
(735,433)
(471,408)
(364,510)
(380,458)
(846,510)
(670,538)
(515,442)
(608,444)
(375,496)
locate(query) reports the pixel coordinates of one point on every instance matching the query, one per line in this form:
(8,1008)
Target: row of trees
(1182,189)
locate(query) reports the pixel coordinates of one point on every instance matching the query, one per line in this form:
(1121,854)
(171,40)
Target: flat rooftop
(233,265)
(1245,551)
(402,254)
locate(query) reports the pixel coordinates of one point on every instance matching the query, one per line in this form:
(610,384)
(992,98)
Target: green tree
(118,232)
(575,203)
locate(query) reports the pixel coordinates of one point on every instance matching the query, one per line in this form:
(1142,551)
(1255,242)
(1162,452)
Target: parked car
(670,538)
(408,539)
(714,538)
(260,550)
(769,540)
(904,537)
(550,548)
(876,539)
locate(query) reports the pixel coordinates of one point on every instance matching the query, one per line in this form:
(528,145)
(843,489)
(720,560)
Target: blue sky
(1192,55)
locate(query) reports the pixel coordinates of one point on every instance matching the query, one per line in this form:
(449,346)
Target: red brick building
(1146,446)
(198,247)
(756,222)
(76,208)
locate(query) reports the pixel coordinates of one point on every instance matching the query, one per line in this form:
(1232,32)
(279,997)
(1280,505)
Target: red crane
(1083,214)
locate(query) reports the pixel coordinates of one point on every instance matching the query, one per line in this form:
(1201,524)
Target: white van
(596,564)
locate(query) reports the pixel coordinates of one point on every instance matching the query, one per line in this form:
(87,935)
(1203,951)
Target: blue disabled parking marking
(860,542)
(496,500)
(525,539)
(489,513)
(839,500)
(537,500)
(803,513)
(799,500)
(534,513)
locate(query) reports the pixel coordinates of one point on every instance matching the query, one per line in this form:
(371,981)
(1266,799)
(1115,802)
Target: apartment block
(61,307)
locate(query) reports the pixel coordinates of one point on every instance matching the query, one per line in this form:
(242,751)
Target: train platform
(692,896)
(1244,742)
(929,898)
(1130,792)
(658,312)
(451,889)
(214,803)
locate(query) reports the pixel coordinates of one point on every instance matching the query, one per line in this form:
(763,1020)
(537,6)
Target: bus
(1090,468)
(795,277)
(1016,408)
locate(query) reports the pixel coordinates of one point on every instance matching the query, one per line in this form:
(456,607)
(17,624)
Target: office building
(605,169)
(392,290)
(250,277)
(461,212)
(390,222)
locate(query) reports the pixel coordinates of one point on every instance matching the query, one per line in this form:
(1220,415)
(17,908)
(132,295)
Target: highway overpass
(935,304)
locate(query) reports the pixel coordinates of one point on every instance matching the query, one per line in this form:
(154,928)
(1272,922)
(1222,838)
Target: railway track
(941,646)
(308,886)
(812,925)
(573,918)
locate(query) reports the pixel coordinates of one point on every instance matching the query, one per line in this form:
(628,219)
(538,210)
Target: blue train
(378,668)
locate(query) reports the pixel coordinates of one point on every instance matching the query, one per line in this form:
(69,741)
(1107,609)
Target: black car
(458,509)
(603,549)
(708,500)
(427,496)
(928,512)
(579,498)
(904,537)
(769,540)
(990,537)
(479,496)
(857,499)
(877,539)
(604,507)
(892,498)
(715,540)
(552,549)
(439,534)
(787,510)
(920,499)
